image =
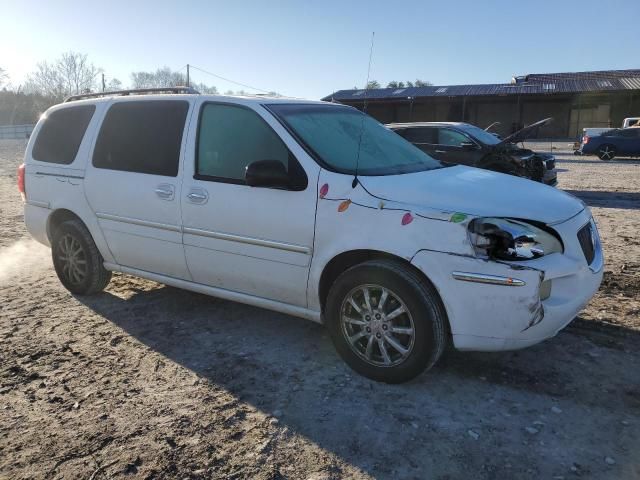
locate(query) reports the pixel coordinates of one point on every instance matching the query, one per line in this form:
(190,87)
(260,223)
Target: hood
(527,132)
(476,192)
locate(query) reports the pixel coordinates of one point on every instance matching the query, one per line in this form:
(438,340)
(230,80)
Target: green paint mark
(457,217)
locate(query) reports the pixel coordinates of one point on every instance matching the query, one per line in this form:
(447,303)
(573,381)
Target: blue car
(619,142)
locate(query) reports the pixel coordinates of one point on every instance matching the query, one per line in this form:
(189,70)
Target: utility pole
(187,74)
(103,86)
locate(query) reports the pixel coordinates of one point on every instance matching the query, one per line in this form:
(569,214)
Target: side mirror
(267,173)
(468,145)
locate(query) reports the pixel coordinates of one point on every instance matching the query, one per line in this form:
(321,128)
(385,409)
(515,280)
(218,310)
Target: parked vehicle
(631,122)
(312,209)
(465,144)
(619,142)
(589,132)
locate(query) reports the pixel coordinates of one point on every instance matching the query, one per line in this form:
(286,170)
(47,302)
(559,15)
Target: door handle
(165,191)
(198,195)
(441,151)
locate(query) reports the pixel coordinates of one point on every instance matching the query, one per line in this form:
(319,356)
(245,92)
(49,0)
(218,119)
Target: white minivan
(312,209)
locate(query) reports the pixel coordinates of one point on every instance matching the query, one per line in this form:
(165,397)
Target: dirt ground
(148,381)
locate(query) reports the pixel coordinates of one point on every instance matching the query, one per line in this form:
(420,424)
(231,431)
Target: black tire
(606,152)
(73,235)
(426,315)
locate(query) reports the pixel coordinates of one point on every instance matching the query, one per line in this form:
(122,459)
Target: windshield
(339,136)
(481,135)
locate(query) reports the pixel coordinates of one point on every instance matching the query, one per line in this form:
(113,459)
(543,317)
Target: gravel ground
(148,381)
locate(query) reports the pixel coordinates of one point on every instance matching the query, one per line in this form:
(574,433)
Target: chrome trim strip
(490,279)
(137,221)
(37,203)
(59,175)
(249,240)
(234,296)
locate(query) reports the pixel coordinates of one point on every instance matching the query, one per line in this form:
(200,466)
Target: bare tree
(162,77)
(203,88)
(71,74)
(4,77)
(113,85)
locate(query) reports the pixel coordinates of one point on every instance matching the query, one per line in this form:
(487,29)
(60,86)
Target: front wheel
(386,322)
(606,152)
(76,259)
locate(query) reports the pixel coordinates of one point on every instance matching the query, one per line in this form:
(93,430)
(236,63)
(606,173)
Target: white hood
(476,192)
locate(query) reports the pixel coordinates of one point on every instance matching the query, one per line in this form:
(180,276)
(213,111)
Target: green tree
(372,84)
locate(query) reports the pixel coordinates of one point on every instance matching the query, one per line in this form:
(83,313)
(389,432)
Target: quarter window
(61,134)
(451,138)
(142,137)
(230,138)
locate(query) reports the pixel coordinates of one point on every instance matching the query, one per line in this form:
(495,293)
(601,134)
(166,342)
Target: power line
(229,80)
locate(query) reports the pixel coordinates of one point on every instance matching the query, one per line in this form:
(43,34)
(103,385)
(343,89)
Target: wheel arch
(59,216)
(350,258)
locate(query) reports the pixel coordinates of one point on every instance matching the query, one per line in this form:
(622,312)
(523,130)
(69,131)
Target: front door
(133,184)
(253,240)
(455,147)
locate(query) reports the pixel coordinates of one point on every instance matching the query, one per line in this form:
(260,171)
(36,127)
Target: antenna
(354,184)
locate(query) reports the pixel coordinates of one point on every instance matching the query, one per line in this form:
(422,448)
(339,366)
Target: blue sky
(309,49)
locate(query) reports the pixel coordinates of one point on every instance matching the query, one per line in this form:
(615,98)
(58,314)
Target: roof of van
(259,99)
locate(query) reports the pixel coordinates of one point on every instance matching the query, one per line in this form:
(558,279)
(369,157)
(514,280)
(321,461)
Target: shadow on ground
(448,423)
(604,199)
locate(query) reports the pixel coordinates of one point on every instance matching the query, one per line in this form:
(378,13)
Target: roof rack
(135,91)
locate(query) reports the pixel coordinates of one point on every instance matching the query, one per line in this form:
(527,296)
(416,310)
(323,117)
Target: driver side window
(231,137)
(451,138)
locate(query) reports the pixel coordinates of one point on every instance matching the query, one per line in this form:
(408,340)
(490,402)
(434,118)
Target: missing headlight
(511,239)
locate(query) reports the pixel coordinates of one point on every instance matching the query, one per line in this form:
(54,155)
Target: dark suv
(466,144)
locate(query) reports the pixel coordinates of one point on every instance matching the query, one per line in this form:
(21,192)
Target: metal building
(575,100)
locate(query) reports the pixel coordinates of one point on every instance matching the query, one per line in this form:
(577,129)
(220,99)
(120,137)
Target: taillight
(21,186)
(585,139)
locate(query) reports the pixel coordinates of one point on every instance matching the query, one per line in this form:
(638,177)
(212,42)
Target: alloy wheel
(72,259)
(377,325)
(606,153)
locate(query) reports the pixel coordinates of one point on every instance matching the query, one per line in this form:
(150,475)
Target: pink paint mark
(324,189)
(407,218)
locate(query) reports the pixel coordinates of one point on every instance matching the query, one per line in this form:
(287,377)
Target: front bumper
(490,317)
(550,177)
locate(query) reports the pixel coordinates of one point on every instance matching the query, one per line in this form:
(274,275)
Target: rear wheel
(76,259)
(606,152)
(386,322)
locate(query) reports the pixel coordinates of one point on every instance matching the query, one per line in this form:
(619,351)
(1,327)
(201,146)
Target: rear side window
(61,134)
(142,137)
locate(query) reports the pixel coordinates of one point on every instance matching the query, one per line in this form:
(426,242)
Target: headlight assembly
(510,239)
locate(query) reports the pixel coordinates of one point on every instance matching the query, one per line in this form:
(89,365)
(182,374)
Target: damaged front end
(537,166)
(522,162)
